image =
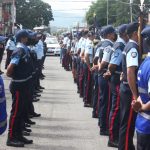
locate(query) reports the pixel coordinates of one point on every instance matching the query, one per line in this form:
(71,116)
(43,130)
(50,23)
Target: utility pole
(14,16)
(107,12)
(131,13)
(141,22)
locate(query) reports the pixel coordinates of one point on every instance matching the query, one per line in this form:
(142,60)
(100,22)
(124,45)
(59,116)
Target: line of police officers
(106,77)
(24,63)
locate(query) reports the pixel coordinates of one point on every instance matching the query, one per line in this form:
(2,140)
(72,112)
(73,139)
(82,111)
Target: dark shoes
(105,133)
(34,115)
(27,130)
(24,133)
(35,100)
(41,88)
(94,115)
(15,143)
(112,144)
(30,122)
(87,105)
(25,140)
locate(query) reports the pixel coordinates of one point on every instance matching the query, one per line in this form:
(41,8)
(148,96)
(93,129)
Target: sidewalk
(65,124)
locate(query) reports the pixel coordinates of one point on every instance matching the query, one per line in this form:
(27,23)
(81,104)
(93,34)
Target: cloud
(68,11)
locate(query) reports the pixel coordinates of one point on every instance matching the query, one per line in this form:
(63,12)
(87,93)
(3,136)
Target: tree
(33,13)
(119,11)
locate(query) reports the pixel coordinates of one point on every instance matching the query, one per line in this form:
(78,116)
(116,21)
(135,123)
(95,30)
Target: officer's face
(24,40)
(126,37)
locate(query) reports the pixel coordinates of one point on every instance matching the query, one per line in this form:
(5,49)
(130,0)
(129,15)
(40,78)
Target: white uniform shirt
(10,45)
(65,41)
(39,49)
(132,56)
(83,45)
(107,52)
(89,49)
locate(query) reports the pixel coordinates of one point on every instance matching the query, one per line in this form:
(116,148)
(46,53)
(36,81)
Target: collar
(133,41)
(121,40)
(21,45)
(109,41)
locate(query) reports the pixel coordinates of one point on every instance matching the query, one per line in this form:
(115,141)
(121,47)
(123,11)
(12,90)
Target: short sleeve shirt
(107,54)
(116,57)
(132,58)
(10,45)
(16,57)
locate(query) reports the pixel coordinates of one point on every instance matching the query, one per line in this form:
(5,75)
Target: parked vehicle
(53,47)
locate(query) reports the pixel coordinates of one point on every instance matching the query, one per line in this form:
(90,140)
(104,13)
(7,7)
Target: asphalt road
(65,124)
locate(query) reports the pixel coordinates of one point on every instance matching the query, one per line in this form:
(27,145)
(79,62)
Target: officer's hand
(107,75)
(121,76)
(93,68)
(136,105)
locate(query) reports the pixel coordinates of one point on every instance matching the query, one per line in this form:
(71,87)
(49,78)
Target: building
(7,16)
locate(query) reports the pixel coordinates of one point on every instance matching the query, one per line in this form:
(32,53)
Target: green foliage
(119,11)
(31,13)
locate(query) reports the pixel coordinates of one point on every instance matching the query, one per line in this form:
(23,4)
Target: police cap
(108,30)
(132,27)
(146,32)
(21,34)
(122,28)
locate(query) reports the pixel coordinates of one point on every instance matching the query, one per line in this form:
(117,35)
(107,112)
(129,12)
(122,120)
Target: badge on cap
(134,54)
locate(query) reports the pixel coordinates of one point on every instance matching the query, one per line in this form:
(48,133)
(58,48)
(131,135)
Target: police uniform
(127,116)
(116,60)
(10,47)
(143,117)
(95,80)
(64,50)
(22,73)
(104,91)
(82,67)
(88,77)
(3,112)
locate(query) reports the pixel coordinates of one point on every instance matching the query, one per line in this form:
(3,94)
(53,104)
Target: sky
(68,12)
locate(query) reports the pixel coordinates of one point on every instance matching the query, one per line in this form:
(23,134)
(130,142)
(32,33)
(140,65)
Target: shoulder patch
(107,49)
(133,54)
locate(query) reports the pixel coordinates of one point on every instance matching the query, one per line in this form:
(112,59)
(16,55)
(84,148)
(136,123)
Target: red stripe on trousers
(87,88)
(98,101)
(114,114)
(108,108)
(81,79)
(15,113)
(128,129)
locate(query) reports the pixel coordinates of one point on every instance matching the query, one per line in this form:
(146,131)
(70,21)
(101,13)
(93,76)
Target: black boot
(14,142)
(25,140)
(112,144)
(30,122)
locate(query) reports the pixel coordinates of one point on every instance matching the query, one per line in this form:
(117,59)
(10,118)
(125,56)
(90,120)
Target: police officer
(83,67)
(64,50)
(115,68)
(3,113)
(20,70)
(104,58)
(142,105)
(94,69)
(10,47)
(89,48)
(128,89)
